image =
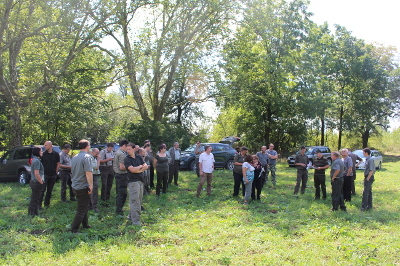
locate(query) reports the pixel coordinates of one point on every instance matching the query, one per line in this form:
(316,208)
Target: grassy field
(179,229)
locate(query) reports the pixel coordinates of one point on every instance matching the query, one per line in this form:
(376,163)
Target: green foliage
(180,229)
(159,132)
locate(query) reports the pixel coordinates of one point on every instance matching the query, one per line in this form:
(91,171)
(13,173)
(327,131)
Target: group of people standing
(133,169)
(131,166)
(252,171)
(342,175)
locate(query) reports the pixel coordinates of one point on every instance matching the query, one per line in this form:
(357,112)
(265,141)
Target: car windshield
(190,149)
(359,153)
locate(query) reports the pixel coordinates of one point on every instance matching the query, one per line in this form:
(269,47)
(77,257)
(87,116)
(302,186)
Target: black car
(15,165)
(223,156)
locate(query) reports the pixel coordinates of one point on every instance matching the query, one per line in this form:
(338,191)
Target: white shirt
(207,162)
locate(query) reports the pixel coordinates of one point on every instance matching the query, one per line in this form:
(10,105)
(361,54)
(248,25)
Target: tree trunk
(365,137)
(322,131)
(340,127)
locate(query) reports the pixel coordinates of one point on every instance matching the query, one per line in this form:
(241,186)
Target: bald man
(51,163)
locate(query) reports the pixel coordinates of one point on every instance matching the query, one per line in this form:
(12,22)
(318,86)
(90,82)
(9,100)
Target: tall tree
(153,49)
(260,64)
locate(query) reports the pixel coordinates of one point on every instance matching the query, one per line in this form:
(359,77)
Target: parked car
(223,156)
(311,154)
(15,165)
(103,146)
(375,156)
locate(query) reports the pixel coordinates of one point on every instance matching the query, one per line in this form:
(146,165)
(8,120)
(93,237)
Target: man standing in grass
(65,173)
(354,157)
(272,157)
(121,179)
(51,163)
(82,184)
(337,171)
(237,171)
(320,164)
(301,162)
(135,166)
(368,180)
(347,175)
(206,165)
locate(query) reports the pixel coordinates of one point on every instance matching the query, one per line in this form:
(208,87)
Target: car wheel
(229,165)
(23,177)
(192,165)
(379,166)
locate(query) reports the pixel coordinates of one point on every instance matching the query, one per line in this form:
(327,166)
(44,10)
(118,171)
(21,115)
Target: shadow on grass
(277,209)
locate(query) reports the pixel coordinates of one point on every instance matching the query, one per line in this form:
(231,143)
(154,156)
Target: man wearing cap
(320,164)
(337,171)
(301,162)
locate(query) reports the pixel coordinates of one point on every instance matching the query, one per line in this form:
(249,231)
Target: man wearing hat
(320,164)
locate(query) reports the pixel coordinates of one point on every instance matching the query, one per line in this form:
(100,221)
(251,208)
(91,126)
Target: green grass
(179,229)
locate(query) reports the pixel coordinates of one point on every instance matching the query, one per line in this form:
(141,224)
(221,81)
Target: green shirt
(119,157)
(37,165)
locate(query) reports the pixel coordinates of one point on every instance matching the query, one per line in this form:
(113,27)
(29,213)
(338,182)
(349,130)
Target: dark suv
(15,165)
(310,152)
(223,156)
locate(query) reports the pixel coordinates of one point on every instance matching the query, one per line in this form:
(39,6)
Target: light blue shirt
(177,155)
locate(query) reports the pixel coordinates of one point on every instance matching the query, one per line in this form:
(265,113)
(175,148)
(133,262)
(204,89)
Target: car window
(22,154)
(7,156)
(218,148)
(328,150)
(323,150)
(359,153)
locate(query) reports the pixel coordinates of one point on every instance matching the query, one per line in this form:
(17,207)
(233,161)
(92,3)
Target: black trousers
(65,177)
(173,172)
(258,184)
(35,197)
(121,185)
(347,187)
(162,182)
(151,176)
(238,180)
(82,208)
(107,179)
(49,182)
(337,196)
(319,184)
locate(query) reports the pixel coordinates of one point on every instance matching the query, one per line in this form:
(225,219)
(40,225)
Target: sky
(372,20)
